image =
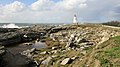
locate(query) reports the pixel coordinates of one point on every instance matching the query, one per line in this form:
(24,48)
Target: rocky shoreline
(67,44)
(11,37)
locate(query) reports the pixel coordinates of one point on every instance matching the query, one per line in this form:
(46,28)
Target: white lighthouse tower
(75,21)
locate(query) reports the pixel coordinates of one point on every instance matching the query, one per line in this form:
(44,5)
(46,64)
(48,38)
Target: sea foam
(11,25)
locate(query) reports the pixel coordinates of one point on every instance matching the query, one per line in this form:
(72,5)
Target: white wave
(11,25)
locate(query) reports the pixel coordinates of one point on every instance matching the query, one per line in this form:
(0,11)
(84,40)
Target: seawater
(22,25)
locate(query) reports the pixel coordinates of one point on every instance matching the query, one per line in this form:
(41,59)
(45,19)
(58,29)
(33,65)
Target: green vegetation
(109,55)
(117,40)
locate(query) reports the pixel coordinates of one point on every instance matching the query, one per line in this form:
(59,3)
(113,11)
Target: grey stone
(28,52)
(54,51)
(34,56)
(29,55)
(75,57)
(68,48)
(33,49)
(65,61)
(83,52)
(45,52)
(72,35)
(69,44)
(2,52)
(54,56)
(25,36)
(79,40)
(54,48)
(46,61)
(41,59)
(82,47)
(28,43)
(2,47)
(82,44)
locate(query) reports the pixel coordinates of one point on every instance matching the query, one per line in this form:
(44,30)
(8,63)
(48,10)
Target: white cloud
(42,5)
(71,4)
(10,10)
(63,4)
(13,7)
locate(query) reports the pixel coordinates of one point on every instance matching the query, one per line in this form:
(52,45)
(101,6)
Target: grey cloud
(98,10)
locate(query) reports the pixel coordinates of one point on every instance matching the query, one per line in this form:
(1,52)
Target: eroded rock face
(18,37)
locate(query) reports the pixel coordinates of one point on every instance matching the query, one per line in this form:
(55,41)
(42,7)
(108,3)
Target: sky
(58,11)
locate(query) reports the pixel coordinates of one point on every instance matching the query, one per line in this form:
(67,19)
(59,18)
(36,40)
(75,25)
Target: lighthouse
(75,21)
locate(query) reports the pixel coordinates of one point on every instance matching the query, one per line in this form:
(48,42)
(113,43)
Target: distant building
(75,21)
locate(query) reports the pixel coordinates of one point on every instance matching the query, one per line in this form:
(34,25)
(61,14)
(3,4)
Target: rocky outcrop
(67,43)
(5,30)
(10,38)
(13,36)
(18,37)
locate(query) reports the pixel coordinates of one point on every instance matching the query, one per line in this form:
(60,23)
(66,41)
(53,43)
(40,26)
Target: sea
(23,25)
